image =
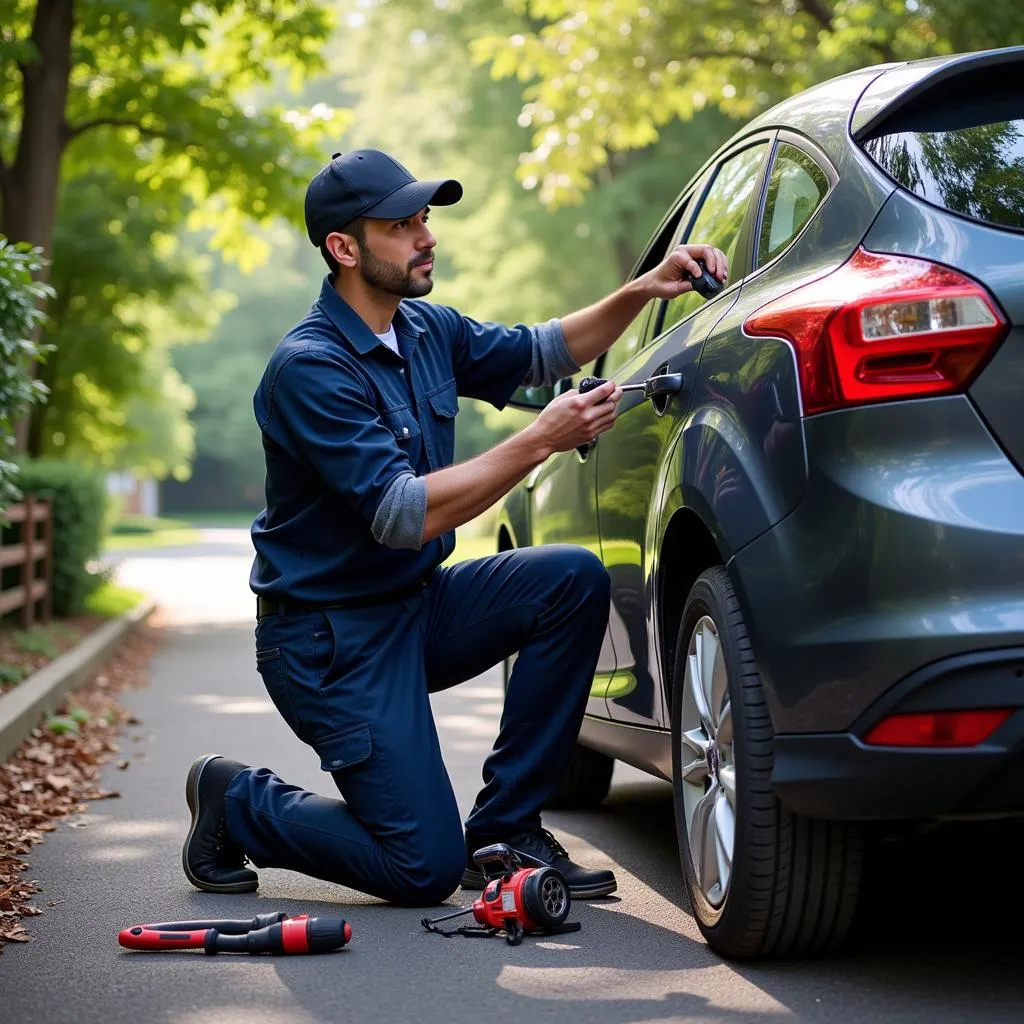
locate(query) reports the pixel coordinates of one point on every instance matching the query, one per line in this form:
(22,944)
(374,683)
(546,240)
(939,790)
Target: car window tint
(796,187)
(630,342)
(960,145)
(719,220)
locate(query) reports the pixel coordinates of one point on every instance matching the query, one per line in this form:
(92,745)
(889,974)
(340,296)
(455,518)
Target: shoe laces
(222,844)
(542,837)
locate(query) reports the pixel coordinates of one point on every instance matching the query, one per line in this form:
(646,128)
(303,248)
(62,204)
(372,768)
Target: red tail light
(937,728)
(883,327)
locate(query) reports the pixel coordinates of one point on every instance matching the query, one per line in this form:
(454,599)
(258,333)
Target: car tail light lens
(937,728)
(883,327)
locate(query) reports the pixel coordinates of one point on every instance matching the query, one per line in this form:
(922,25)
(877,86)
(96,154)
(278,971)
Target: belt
(286,606)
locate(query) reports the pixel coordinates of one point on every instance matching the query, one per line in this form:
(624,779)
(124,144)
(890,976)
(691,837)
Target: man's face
(397,256)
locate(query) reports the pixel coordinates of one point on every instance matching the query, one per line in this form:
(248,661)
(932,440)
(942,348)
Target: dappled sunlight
(136,829)
(232,705)
(118,854)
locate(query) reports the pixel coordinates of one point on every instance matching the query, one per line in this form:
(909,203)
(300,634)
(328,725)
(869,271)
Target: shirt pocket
(406,430)
(444,405)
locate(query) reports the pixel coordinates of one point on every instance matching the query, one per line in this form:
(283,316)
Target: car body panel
(907,547)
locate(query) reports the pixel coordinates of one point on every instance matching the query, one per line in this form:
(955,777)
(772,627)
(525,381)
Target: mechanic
(357,620)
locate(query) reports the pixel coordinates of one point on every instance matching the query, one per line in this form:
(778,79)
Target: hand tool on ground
(278,933)
(516,900)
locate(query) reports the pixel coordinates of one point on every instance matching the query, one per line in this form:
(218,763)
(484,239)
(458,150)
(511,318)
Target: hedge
(79,498)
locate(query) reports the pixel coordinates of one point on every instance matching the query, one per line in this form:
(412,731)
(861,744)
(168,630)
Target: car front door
(629,457)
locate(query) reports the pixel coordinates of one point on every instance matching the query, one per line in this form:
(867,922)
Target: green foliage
(10,675)
(78,495)
(20,297)
(35,641)
(145,524)
(167,129)
(60,725)
(607,76)
(111,600)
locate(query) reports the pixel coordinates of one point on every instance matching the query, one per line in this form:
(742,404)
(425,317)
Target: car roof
(860,99)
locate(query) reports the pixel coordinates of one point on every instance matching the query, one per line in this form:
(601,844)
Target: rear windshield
(967,157)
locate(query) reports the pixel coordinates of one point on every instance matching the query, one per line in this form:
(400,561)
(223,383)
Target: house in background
(134,497)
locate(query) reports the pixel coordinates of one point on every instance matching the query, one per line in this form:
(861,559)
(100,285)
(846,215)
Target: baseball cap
(368,183)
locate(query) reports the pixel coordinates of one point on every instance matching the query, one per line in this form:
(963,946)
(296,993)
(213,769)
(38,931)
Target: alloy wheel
(708,770)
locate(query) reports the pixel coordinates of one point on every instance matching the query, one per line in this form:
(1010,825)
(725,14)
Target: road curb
(23,707)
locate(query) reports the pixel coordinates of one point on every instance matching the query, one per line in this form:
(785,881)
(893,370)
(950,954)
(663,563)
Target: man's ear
(344,248)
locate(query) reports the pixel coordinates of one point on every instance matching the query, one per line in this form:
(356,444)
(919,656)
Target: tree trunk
(33,181)
(30,213)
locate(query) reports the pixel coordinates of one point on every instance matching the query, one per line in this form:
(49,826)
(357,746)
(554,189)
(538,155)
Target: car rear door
(629,457)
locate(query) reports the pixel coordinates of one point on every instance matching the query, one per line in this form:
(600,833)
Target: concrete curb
(23,707)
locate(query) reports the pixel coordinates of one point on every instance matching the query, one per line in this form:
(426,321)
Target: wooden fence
(34,546)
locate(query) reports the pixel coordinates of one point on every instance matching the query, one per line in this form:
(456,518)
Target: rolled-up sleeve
(328,410)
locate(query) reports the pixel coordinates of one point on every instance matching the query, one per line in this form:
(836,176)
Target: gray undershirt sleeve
(552,359)
(402,513)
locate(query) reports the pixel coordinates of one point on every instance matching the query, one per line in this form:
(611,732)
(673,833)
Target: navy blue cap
(368,183)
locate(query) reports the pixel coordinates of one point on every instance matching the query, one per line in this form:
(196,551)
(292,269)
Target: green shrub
(79,498)
(20,298)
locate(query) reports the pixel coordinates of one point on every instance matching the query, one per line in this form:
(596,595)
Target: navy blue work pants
(354,685)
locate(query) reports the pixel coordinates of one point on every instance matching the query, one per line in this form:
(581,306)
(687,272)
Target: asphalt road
(942,943)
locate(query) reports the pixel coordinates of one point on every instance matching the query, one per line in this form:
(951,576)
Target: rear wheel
(762,882)
(589,777)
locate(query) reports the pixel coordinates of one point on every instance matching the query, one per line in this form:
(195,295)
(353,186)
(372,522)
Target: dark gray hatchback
(817,546)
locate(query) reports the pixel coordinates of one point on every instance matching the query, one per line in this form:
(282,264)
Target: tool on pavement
(278,933)
(516,900)
(663,384)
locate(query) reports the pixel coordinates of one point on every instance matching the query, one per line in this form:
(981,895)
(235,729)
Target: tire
(792,884)
(588,778)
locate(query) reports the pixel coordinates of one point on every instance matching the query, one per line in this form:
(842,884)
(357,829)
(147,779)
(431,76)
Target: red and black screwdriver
(278,934)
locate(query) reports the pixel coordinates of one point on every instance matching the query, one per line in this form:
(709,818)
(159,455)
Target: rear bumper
(837,776)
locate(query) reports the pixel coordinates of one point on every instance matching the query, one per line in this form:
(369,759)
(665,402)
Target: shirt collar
(358,334)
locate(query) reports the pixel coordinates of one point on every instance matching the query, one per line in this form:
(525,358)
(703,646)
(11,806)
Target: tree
(606,76)
(129,121)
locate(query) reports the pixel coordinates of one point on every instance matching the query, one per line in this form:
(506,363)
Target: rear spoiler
(897,89)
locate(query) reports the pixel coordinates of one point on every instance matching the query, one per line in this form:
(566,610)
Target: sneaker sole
(476,880)
(192,799)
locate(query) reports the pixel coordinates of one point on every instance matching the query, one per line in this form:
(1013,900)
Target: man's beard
(391,278)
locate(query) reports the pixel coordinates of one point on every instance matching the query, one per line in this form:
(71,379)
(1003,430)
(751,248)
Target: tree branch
(820,11)
(72,131)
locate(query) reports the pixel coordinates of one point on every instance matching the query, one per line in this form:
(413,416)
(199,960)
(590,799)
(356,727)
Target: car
(816,545)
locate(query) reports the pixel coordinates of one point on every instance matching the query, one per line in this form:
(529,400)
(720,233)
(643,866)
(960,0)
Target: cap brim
(411,198)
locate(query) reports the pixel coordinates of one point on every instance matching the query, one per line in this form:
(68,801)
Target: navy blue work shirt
(342,416)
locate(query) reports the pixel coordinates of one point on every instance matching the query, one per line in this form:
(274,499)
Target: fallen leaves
(53,773)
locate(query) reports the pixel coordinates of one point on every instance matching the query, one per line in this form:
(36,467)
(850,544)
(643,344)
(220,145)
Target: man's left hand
(670,278)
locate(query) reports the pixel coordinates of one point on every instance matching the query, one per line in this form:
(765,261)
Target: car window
(630,342)
(960,146)
(796,187)
(719,220)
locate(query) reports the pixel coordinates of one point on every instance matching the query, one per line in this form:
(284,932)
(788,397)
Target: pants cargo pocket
(360,774)
(346,748)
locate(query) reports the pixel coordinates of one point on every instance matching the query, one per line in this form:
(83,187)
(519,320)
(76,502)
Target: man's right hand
(573,420)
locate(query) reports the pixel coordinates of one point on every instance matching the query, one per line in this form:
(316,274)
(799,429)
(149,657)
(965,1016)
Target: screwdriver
(663,384)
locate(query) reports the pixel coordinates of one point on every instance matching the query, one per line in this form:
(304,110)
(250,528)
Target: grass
(156,539)
(471,546)
(135,533)
(111,600)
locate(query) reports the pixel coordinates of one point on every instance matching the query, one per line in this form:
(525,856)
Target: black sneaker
(210,859)
(538,849)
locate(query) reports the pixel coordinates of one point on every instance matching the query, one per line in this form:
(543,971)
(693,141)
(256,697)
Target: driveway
(942,937)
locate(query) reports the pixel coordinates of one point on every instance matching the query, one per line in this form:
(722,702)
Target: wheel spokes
(704,842)
(694,761)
